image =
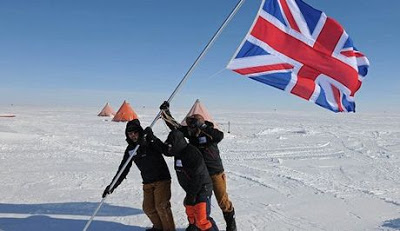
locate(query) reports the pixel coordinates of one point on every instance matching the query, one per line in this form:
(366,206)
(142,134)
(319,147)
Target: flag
(296,48)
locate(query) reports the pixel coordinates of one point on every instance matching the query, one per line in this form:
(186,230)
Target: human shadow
(41,223)
(70,208)
(38,221)
(393,224)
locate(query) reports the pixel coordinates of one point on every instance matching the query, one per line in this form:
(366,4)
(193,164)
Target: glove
(200,124)
(195,123)
(164,106)
(107,191)
(148,133)
(190,199)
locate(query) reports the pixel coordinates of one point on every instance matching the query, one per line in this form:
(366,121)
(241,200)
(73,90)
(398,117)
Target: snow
(285,170)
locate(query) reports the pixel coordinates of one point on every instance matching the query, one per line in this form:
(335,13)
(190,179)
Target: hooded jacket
(207,142)
(189,165)
(148,157)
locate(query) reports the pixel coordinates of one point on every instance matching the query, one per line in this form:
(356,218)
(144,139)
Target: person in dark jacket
(205,137)
(155,175)
(193,177)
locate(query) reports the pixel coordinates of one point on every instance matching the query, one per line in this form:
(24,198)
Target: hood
(177,141)
(133,125)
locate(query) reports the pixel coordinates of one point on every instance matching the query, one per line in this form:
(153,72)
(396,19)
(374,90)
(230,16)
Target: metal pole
(209,44)
(111,186)
(94,214)
(185,77)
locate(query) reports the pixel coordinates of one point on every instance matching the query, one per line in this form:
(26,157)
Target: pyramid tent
(125,113)
(198,108)
(107,111)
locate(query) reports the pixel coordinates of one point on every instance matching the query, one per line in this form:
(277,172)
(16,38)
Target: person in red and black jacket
(193,177)
(155,175)
(205,137)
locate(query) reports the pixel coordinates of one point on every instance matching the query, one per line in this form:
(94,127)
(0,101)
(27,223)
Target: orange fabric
(219,188)
(190,212)
(201,218)
(125,113)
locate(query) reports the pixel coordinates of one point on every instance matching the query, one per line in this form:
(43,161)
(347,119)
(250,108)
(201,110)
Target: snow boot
(191,227)
(153,229)
(230,220)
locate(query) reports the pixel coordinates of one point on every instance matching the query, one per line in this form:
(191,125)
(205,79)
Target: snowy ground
(286,171)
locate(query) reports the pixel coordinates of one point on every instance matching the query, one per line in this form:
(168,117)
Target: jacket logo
(202,140)
(178,163)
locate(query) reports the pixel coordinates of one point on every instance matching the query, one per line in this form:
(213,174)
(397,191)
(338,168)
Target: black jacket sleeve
(185,131)
(156,144)
(126,170)
(214,134)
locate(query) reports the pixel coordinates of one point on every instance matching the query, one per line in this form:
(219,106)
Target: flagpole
(206,48)
(184,79)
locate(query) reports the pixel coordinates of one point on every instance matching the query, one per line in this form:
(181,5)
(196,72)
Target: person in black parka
(193,177)
(155,175)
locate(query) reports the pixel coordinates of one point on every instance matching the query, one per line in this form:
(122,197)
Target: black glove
(200,124)
(195,123)
(148,133)
(164,106)
(107,191)
(190,199)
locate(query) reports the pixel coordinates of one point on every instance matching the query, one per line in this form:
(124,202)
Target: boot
(191,227)
(153,229)
(230,221)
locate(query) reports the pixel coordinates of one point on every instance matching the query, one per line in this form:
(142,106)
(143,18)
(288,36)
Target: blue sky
(88,52)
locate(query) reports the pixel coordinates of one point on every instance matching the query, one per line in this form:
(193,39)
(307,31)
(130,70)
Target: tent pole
(185,77)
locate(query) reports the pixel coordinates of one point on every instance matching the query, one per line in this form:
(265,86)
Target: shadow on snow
(394,224)
(71,208)
(40,223)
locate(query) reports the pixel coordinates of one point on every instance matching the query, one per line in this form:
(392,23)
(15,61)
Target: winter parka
(189,165)
(207,142)
(148,159)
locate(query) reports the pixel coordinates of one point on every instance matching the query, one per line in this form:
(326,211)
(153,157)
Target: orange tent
(125,113)
(198,108)
(107,111)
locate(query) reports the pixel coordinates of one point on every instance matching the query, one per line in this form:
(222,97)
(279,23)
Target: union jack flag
(298,49)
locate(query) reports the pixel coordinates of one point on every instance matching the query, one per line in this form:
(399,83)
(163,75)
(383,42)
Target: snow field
(286,170)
